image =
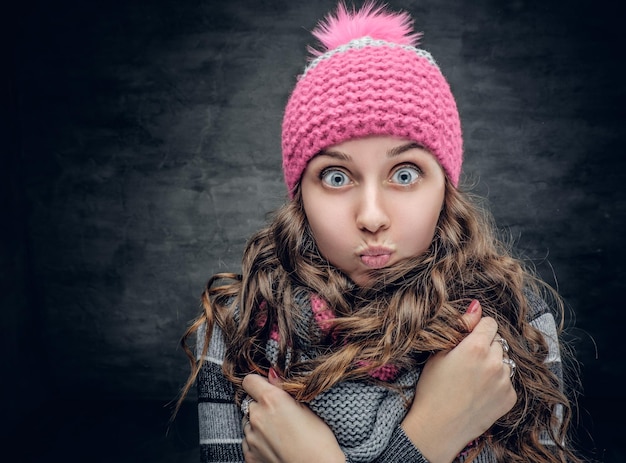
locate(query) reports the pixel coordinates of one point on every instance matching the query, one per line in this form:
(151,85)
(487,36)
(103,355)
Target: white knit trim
(220,441)
(544,439)
(367,42)
(217,346)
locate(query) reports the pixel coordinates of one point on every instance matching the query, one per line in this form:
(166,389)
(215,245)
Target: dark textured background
(141,148)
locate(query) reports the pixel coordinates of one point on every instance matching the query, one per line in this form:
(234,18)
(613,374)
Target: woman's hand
(281,430)
(460,393)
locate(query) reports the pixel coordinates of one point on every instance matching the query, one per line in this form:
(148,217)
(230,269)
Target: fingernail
(473,307)
(272,373)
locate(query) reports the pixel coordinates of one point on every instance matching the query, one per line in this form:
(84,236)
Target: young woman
(377,316)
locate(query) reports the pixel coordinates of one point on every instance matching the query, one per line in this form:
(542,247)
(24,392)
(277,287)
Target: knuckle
(246,382)
(490,323)
(478,349)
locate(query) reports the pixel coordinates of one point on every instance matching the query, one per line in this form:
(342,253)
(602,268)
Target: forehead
(374,147)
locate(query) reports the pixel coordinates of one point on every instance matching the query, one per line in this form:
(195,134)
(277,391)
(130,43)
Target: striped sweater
(220,418)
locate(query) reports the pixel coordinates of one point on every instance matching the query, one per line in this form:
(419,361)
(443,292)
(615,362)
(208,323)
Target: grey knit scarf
(362,415)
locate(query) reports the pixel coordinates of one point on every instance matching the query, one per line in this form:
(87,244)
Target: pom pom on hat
(371,21)
(370,79)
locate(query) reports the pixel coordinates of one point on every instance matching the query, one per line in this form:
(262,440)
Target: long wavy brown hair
(411,310)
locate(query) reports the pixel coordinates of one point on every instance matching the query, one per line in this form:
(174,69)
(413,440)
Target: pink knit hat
(370,79)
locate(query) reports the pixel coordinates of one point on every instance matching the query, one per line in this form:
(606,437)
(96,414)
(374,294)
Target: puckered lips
(376,257)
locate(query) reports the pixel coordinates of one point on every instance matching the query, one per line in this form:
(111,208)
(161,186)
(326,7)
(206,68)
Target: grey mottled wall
(143,149)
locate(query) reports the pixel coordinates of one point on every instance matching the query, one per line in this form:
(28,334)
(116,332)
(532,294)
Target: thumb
(274,379)
(472,315)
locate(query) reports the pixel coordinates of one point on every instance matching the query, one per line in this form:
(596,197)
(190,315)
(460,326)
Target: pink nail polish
(272,373)
(473,307)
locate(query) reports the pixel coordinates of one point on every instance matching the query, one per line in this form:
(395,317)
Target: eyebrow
(398,150)
(393,152)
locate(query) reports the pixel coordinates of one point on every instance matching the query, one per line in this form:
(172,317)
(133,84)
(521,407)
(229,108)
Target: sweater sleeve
(219,418)
(541,317)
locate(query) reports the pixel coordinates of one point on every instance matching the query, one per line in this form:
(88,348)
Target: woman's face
(372,202)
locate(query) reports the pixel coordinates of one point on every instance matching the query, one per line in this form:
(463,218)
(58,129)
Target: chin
(365,280)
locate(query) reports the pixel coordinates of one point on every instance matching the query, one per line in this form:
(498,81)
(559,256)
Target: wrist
(333,454)
(438,442)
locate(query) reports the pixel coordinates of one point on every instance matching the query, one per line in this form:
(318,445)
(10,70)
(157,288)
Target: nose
(372,215)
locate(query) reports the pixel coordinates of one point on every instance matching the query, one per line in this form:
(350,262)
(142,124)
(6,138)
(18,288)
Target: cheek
(421,234)
(330,228)
(318,221)
(420,228)
(325,225)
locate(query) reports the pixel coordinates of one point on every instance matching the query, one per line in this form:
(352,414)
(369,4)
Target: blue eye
(335,178)
(406,175)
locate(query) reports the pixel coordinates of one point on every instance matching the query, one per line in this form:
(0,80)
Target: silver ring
(510,363)
(245,406)
(502,341)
